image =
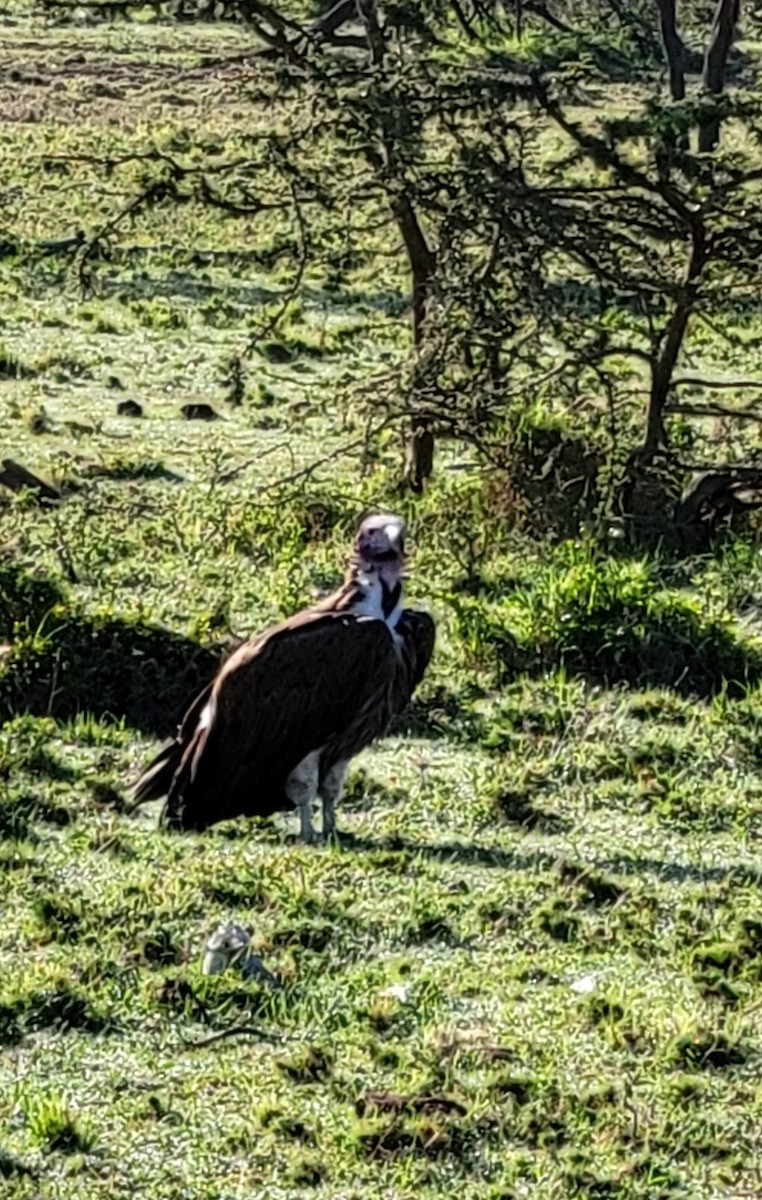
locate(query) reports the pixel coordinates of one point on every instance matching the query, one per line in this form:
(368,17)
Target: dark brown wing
(156,779)
(418,633)
(275,701)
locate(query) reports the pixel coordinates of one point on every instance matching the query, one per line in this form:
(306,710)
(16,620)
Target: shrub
(25,600)
(611,621)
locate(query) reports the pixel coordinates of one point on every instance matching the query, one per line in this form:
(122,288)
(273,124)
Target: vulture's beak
(396,538)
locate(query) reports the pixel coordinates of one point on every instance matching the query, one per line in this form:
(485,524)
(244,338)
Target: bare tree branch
(272,323)
(733,384)
(714,410)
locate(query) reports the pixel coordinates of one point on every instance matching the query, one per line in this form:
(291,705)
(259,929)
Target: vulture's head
(380,544)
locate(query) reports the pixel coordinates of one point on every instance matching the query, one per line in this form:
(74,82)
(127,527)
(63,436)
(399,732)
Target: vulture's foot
(307,832)
(330,793)
(301,790)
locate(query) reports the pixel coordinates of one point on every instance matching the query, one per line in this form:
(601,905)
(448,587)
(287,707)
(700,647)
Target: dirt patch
(107,88)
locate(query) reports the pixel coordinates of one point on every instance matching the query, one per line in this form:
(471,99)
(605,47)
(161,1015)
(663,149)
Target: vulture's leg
(330,792)
(301,789)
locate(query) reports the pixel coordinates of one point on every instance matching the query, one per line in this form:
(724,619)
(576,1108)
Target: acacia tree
(569,277)
(655,242)
(657,238)
(376,93)
(388,107)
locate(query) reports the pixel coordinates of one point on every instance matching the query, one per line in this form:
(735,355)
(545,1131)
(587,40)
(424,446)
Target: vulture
(279,724)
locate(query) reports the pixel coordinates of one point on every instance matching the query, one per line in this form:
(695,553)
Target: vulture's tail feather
(156,779)
(181,811)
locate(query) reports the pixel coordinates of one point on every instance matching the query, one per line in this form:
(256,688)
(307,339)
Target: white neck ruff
(371,603)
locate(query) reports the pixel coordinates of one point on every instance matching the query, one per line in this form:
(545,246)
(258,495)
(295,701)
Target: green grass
(532,965)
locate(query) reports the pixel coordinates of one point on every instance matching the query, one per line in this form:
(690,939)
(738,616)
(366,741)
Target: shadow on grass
(62,663)
(12,1167)
(122,469)
(20,813)
(461,853)
(187,285)
(442,713)
(674,649)
(468,854)
(60,1009)
(119,671)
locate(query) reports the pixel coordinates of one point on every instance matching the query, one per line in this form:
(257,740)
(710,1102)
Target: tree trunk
(661,378)
(419,449)
(664,364)
(18,479)
(366,10)
(674,48)
(715,63)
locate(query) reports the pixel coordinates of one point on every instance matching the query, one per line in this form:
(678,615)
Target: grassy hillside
(532,966)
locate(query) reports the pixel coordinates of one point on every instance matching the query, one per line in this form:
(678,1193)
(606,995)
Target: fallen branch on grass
(19,479)
(232,1031)
(716,494)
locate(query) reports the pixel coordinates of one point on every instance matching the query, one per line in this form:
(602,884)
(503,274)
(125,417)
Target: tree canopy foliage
(572,191)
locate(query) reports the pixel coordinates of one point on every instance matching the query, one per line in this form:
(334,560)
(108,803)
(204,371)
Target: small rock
(199,412)
(227,945)
(129,408)
(39,422)
(397,991)
(584,985)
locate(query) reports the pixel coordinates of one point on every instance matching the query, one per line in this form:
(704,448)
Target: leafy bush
(611,621)
(549,484)
(25,600)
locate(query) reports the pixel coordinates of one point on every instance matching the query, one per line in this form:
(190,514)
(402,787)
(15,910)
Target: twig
(156,191)
(234,472)
(277,39)
(253,209)
(165,188)
(714,410)
(301,474)
(689,381)
(603,154)
(233,1031)
(306,472)
(269,327)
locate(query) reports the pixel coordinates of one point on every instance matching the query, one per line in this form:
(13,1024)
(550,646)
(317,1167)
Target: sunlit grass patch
(54,1126)
(530,966)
